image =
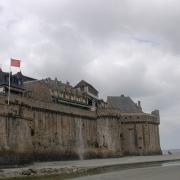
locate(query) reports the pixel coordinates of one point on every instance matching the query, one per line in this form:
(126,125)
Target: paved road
(151,173)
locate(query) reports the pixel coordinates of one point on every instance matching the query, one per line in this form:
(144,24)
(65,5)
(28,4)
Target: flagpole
(9,90)
(15,63)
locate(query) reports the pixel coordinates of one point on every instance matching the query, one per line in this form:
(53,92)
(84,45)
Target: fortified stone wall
(138,132)
(39,130)
(15,142)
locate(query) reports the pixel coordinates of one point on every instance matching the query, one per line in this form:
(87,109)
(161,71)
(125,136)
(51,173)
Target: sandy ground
(67,167)
(150,173)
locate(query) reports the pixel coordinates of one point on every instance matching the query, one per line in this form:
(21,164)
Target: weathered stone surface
(32,129)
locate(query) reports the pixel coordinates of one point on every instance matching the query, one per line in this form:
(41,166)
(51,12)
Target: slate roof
(84,83)
(4,80)
(123,104)
(17,79)
(24,78)
(60,86)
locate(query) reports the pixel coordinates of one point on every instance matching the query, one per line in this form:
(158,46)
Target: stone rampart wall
(46,131)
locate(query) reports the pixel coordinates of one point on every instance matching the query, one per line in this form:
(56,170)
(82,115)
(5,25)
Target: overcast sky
(129,47)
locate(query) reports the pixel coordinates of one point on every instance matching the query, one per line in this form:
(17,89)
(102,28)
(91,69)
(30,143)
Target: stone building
(51,120)
(16,82)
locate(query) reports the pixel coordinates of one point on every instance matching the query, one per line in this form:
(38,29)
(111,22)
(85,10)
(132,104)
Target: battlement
(129,117)
(23,106)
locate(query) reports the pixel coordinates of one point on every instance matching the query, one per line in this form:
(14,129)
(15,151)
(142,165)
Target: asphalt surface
(150,173)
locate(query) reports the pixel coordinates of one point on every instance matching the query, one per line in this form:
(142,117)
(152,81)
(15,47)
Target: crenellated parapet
(25,106)
(130,117)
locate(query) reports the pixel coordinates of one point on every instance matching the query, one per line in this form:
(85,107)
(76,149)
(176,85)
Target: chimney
(139,106)
(55,80)
(139,103)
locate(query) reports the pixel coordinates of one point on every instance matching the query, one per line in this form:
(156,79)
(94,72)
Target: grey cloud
(126,47)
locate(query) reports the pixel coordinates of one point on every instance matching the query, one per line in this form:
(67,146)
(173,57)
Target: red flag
(15,62)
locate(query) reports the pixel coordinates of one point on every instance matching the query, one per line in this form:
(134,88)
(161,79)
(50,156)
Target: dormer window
(19,82)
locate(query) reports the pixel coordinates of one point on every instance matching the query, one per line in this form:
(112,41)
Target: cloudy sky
(129,47)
